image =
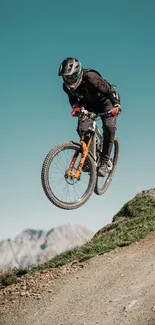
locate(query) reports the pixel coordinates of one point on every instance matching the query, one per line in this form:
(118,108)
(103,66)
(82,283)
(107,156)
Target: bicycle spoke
(67,190)
(61,161)
(58,166)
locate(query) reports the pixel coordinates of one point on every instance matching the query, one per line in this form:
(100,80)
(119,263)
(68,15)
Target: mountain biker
(87,88)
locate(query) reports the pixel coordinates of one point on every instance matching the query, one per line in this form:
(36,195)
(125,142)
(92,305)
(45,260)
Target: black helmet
(71,71)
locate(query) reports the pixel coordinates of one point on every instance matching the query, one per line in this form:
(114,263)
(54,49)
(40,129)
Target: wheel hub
(71,180)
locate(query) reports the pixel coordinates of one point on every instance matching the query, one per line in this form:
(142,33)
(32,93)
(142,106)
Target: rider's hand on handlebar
(76,111)
(84,111)
(116,109)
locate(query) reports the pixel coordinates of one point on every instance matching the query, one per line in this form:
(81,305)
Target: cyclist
(87,88)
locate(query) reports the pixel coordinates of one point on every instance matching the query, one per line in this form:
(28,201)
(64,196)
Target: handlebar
(93,115)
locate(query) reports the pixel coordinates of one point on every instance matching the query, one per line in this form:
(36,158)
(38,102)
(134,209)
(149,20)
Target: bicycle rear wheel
(67,193)
(102,183)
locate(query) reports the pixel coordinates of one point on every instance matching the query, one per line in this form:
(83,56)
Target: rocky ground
(117,288)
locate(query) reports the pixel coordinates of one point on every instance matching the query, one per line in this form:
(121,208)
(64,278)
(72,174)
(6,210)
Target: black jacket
(93,93)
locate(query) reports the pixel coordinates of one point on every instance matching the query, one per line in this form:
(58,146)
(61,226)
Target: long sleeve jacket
(93,93)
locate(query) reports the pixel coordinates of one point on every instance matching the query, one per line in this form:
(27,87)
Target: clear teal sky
(116,38)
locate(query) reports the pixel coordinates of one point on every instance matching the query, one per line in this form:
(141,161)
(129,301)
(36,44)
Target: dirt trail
(117,288)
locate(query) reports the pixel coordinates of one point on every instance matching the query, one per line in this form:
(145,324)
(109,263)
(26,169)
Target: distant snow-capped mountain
(38,246)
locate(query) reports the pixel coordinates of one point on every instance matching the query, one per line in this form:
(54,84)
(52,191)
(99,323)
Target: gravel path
(117,288)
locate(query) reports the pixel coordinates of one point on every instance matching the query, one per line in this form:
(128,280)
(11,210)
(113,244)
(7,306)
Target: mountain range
(34,247)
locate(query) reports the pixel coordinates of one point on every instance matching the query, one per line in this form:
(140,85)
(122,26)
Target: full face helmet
(71,72)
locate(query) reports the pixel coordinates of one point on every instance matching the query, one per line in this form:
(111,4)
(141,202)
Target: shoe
(105,168)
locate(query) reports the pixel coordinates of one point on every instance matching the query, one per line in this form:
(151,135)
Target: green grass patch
(134,221)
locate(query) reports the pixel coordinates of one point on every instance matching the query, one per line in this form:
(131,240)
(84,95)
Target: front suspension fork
(85,149)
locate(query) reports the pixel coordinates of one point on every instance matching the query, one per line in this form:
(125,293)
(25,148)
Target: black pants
(109,130)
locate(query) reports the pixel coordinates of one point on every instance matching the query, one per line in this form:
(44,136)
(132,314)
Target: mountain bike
(69,172)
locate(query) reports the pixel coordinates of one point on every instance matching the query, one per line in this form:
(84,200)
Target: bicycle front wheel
(67,193)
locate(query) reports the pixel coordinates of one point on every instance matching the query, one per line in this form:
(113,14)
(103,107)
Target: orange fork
(85,148)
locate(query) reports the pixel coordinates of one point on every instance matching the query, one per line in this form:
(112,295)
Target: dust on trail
(117,288)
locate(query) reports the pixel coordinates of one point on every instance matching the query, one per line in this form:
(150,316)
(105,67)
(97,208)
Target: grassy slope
(132,223)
